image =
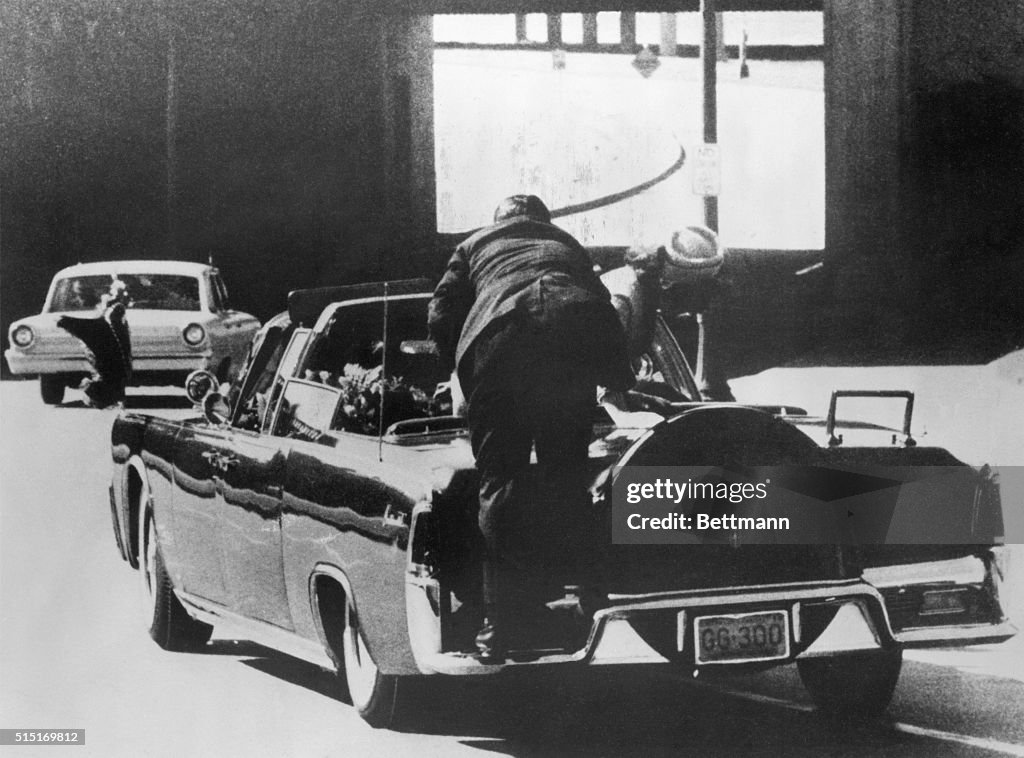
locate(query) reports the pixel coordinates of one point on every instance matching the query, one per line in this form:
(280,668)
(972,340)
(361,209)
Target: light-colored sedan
(178,314)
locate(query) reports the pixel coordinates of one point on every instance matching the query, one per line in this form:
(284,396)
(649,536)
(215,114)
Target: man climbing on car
(531,331)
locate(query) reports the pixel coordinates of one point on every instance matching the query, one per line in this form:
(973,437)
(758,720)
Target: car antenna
(383,382)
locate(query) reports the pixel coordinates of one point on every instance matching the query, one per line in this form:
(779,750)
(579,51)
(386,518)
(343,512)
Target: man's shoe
(490,644)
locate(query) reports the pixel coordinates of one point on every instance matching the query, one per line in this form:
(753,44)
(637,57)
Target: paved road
(73,654)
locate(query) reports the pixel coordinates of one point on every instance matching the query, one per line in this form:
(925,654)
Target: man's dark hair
(530,206)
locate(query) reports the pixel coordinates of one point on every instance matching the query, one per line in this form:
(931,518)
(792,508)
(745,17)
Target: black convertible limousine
(325,504)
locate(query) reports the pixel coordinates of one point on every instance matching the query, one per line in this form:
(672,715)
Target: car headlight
(23,336)
(193,334)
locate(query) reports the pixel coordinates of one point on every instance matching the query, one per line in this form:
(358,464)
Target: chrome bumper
(20,363)
(613,641)
(860,623)
(979,576)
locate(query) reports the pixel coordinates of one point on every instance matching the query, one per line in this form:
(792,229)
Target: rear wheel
(51,388)
(852,686)
(735,438)
(374,694)
(169,624)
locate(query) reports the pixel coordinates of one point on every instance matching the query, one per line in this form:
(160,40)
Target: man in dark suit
(108,343)
(531,331)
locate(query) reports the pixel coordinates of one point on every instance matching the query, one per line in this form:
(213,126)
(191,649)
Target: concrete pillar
(627,31)
(521,35)
(555,29)
(961,175)
(171,132)
(864,94)
(744,67)
(710,96)
(924,146)
(590,30)
(408,107)
(721,53)
(863,122)
(669,34)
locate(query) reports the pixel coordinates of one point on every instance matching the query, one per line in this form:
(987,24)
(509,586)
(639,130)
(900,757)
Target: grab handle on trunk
(835,440)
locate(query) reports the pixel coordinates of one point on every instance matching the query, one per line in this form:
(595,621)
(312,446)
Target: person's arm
(626,412)
(448,308)
(615,371)
(624,309)
(583,270)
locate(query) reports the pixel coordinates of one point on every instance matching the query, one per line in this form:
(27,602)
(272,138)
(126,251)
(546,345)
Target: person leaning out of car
(672,279)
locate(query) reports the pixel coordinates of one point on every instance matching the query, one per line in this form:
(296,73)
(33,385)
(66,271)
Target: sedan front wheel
(51,388)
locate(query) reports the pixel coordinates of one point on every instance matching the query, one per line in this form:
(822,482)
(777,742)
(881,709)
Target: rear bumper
(824,619)
(612,639)
(977,617)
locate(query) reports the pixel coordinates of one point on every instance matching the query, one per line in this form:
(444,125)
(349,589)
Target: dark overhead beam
(591,6)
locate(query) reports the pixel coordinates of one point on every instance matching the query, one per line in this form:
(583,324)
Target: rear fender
(328,619)
(126,437)
(137,496)
(442,577)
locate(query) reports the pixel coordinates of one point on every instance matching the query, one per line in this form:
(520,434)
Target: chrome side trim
(260,632)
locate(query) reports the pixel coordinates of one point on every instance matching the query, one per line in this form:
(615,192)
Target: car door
(196,512)
(339,507)
(249,481)
(202,450)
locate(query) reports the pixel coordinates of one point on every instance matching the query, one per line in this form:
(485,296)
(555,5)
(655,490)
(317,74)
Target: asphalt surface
(74,654)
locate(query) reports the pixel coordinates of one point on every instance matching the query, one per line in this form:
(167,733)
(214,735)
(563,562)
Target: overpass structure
(293,143)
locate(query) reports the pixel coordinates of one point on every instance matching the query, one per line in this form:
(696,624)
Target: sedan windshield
(80,293)
(168,292)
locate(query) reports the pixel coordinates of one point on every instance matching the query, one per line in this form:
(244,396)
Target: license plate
(742,637)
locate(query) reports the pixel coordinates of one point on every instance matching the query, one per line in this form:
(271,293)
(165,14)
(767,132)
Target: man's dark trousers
(526,389)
